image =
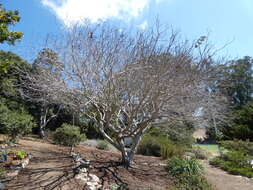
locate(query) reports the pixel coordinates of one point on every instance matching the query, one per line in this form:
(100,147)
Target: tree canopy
(8,18)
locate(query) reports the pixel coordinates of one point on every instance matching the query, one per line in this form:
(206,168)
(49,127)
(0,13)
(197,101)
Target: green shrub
(238,145)
(150,146)
(177,133)
(159,146)
(15,123)
(188,173)
(102,145)
(2,172)
(169,150)
(68,135)
(236,158)
(234,162)
(199,153)
(177,166)
(19,154)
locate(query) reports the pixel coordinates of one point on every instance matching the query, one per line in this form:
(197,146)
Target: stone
(2,186)
(83,177)
(94,178)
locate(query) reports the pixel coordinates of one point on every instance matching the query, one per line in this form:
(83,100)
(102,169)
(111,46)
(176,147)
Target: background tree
(123,83)
(47,105)
(241,77)
(8,18)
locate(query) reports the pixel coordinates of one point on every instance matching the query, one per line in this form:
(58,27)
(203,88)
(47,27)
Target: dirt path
(224,181)
(48,168)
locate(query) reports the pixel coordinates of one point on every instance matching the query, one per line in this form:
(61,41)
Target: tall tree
(8,18)
(46,62)
(241,77)
(124,83)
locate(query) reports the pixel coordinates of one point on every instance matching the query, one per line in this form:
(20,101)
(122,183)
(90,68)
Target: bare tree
(46,65)
(123,82)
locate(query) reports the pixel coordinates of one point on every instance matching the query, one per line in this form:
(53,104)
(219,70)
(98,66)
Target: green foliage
(150,145)
(234,162)
(189,174)
(102,145)
(19,154)
(238,81)
(169,150)
(236,158)
(178,133)
(245,147)
(242,124)
(14,122)
(9,72)
(199,153)
(177,166)
(2,172)
(68,135)
(154,144)
(8,18)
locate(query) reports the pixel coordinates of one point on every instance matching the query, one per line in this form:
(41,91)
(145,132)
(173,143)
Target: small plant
(178,166)
(188,173)
(18,154)
(68,135)
(102,145)
(114,186)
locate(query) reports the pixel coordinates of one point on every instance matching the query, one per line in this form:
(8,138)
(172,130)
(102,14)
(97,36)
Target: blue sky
(224,20)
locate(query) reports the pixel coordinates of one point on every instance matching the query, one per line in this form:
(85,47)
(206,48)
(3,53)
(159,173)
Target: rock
(83,177)
(25,162)
(94,178)
(2,186)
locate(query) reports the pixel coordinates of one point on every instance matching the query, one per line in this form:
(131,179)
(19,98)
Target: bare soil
(52,168)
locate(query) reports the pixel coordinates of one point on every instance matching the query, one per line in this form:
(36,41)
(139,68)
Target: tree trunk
(42,132)
(127,159)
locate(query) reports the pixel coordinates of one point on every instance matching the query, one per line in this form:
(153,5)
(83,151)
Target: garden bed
(11,162)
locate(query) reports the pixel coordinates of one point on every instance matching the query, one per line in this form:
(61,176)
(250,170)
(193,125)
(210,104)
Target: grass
(213,148)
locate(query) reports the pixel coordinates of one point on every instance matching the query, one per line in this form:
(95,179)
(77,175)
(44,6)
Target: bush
(170,150)
(188,173)
(18,154)
(150,146)
(238,145)
(236,159)
(177,133)
(159,146)
(102,145)
(15,123)
(68,135)
(199,153)
(234,162)
(177,166)
(2,173)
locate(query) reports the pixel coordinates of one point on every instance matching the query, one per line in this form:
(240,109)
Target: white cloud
(75,11)
(143,25)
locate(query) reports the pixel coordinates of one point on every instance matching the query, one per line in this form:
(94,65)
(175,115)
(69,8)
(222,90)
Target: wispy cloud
(75,11)
(143,25)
